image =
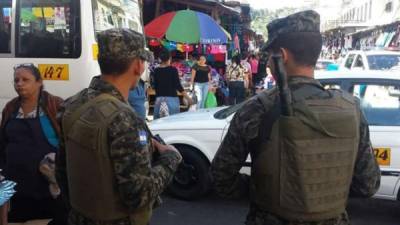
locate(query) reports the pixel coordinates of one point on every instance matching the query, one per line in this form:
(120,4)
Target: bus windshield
(116,14)
(48,29)
(5,26)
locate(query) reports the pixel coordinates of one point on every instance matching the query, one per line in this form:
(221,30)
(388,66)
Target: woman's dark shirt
(201,73)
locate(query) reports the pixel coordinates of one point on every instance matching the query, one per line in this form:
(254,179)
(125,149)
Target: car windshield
(384,62)
(224,113)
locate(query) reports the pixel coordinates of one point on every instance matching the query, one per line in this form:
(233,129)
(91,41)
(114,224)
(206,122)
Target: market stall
(185,34)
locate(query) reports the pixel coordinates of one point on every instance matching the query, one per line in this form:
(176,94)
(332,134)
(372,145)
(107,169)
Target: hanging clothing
(218,49)
(236,42)
(219,57)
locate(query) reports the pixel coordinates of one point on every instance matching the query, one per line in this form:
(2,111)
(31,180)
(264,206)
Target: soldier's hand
(165,148)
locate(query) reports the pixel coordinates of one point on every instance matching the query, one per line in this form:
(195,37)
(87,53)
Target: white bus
(59,37)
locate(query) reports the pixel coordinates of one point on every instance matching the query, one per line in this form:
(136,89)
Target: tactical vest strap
(269,118)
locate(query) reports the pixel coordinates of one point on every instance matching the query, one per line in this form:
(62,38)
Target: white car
(197,135)
(322,64)
(371,60)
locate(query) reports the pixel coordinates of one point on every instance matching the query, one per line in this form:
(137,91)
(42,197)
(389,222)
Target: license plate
(382,155)
(54,71)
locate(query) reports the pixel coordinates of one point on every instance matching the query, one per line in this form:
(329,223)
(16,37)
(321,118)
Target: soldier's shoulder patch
(142,137)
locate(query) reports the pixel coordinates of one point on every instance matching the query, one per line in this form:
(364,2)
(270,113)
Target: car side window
(380,103)
(359,62)
(349,61)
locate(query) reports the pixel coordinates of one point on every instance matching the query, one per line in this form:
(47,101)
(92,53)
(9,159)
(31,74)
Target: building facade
(364,13)
(363,24)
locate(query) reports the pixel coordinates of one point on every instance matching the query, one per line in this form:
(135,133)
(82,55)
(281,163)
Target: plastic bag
(6,191)
(211,100)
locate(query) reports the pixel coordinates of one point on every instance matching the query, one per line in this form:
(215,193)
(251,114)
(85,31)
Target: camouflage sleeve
(61,162)
(139,183)
(234,150)
(367,175)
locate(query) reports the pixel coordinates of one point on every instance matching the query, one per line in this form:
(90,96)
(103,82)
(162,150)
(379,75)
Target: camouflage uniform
(138,179)
(243,138)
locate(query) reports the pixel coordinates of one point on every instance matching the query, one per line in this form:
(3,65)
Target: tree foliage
(261,17)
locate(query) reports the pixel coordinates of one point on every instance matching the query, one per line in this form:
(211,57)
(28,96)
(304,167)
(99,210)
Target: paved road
(215,211)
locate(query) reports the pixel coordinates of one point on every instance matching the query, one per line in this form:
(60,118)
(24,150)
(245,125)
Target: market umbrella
(186,26)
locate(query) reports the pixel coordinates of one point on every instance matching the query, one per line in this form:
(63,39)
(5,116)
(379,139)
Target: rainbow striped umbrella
(186,26)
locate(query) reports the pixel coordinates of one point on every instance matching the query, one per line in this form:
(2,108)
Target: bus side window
(45,29)
(5,26)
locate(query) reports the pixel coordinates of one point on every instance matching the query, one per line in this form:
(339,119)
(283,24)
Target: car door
(228,115)
(380,103)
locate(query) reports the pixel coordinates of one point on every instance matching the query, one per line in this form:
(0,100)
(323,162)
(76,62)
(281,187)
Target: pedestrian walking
(166,85)
(236,77)
(262,65)
(310,147)
(254,66)
(29,134)
(201,78)
(255,81)
(247,71)
(106,166)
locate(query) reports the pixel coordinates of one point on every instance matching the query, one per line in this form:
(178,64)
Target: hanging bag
(164,110)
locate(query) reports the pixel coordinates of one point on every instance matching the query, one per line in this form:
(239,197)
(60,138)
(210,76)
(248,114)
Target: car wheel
(191,180)
(398,195)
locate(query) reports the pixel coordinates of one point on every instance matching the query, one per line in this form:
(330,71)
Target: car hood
(201,119)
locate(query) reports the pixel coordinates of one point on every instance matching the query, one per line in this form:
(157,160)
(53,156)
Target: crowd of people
(200,83)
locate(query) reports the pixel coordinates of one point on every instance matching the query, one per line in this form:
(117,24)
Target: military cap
(122,44)
(305,21)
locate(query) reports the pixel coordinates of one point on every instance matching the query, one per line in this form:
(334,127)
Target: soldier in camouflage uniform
(105,165)
(297,38)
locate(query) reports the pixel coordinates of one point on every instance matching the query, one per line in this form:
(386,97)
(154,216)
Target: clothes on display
(348,42)
(381,37)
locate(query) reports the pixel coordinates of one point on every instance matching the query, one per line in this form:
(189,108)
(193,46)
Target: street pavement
(212,210)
